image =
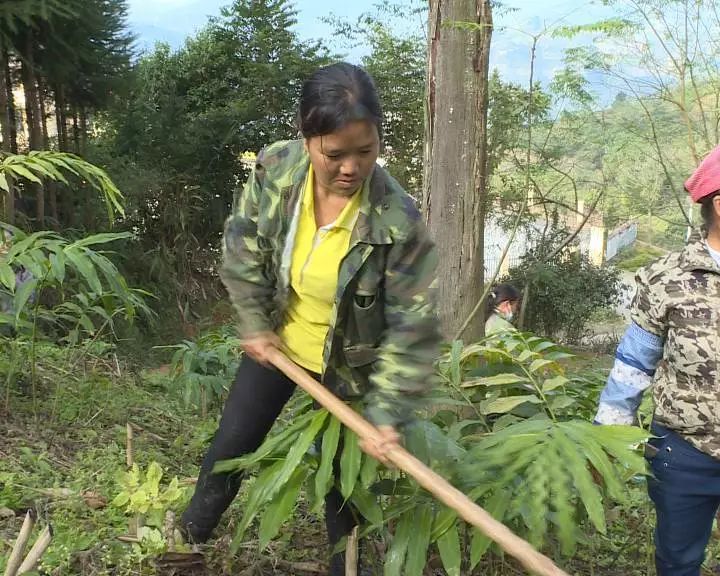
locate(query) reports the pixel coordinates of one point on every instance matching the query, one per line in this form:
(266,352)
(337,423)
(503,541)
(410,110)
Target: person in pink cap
(673,345)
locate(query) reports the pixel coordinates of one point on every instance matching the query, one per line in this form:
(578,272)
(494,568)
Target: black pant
(255,401)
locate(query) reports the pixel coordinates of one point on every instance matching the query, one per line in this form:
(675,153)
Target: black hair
(707,210)
(336,95)
(502,293)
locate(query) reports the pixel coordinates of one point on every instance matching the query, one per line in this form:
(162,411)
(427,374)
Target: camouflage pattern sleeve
(404,370)
(649,309)
(247,259)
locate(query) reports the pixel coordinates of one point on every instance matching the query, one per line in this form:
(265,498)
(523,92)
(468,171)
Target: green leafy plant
(72,292)
(141,494)
(512,432)
(202,369)
(39,165)
(563,292)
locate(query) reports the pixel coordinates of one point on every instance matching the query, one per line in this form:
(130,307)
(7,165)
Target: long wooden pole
(534,561)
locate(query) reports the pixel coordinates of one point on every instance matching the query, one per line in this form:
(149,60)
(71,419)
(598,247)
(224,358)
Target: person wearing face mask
(502,308)
(328,259)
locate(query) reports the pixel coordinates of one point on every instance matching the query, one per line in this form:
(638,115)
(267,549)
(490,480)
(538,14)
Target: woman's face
(343,159)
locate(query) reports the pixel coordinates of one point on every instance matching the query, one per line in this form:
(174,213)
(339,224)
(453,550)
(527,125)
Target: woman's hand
(379,448)
(258,346)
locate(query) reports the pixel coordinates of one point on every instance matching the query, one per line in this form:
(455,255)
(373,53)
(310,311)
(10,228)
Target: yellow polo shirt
(316,256)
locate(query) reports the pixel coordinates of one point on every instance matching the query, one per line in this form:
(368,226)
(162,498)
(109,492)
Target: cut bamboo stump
(531,559)
(36,552)
(16,555)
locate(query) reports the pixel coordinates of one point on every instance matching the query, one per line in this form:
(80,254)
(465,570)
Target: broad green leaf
(367,504)
(419,541)
(561,402)
(506,404)
(7,276)
(496,506)
(497,380)
(349,462)
(443,521)
(23,172)
(22,295)
(575,463)
(281,508)
(57,265)
(259,494)
(395,557)
(539,364)
(368,471)
(449,547)
(84,266)
(554,382)
(324,475)
(4,185)
(298,450)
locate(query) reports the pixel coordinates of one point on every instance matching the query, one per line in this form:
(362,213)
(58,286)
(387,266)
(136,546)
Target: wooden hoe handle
(534,561)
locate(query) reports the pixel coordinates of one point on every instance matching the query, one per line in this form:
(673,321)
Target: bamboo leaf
(259,493)
(395,558)
(7,276)
(22,295)
(349,463)
(419,541)
(84,266)
(449,547)
(368,472)
(324,475)
(281,508)
(496,506)
(367,504)
(23,172)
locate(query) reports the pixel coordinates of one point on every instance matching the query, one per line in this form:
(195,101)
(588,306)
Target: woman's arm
(246,270)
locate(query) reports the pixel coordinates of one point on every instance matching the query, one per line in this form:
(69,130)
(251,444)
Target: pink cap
(706,178)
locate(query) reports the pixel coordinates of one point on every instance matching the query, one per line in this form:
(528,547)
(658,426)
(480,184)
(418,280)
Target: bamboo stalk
(352,553)
(36,552)
(129,452)
(531,559)
(17,552)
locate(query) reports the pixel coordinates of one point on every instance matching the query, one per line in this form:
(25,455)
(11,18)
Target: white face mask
(507,315)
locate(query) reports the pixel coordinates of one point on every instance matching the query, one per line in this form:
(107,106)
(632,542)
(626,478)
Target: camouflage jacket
(383,336)
(678,299)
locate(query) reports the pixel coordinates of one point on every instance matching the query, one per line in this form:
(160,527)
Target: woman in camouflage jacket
(372,332)
(673,344)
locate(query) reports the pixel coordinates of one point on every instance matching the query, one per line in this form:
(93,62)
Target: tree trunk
(83,130)
(32,112)
(456,155)
(6,122)
(43,113)
(76,131)
(6,119)
(60,119)
(11,105)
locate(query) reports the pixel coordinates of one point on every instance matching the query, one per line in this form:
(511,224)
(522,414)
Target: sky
(172,21)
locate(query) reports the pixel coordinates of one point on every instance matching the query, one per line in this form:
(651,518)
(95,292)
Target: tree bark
(32,112)
(43,113)
(60,119)
(6,119)
(76,131)
(456,155)
(83,130)
(11,105)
